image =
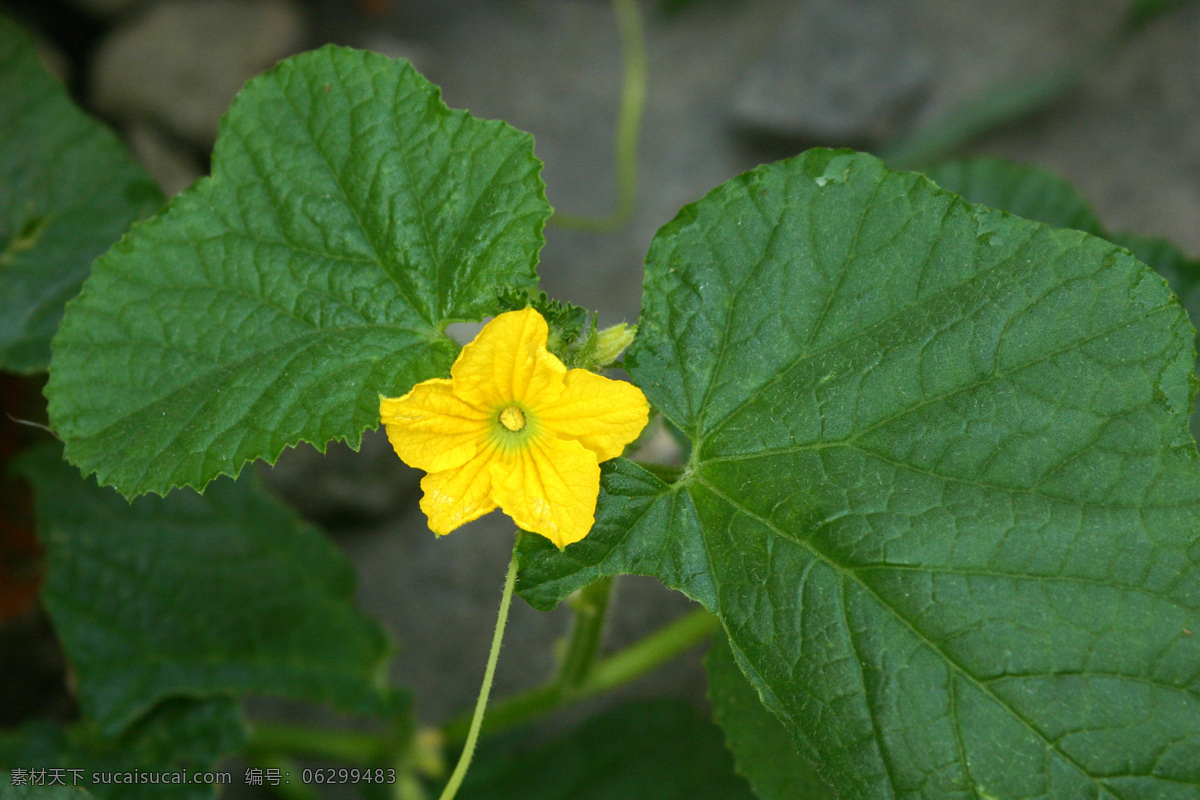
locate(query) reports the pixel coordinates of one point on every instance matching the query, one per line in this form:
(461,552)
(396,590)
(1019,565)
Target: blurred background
(1106,94)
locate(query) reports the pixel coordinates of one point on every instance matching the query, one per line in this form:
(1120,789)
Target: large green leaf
(198,596)
(941,494)
(656,749)
(1022,189)
(1038,194)
(350,214)
(181,738)
(1182,273)
(68,190)
(763,750)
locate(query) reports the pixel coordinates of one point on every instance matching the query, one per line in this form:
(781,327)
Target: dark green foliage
(198,597)
(942,493)
(68,191)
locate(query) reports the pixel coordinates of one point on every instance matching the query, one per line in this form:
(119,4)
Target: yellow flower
(514,428)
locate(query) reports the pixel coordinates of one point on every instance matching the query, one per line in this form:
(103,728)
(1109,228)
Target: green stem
(368,749)
(641,657)
(464,760)
(605,674)
(286,789)
(591,607)
(629,122)
(407,787)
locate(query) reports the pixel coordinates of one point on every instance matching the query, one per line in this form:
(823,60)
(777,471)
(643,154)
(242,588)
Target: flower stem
(464,760)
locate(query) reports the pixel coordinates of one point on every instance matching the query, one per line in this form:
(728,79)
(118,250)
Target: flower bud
(611,342)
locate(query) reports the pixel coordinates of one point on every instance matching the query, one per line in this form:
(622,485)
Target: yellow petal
(549,487)
(508,362)
(433,429)
(454,497)
(601,414)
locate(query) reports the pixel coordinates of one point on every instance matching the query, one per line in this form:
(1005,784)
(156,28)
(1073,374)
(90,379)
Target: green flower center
(513,418)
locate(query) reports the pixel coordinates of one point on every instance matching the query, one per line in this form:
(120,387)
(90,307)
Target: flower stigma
(512,418)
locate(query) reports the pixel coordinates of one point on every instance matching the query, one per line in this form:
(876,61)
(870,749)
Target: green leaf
(1182,273)
(660,749)
(68,190)
(179,737)
(26,792)
(763,750)
(1143,12)
(1027,191)
(1038,194)
(941,495)
(190,596)
(350,214)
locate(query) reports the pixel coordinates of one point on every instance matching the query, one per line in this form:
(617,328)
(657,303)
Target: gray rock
(976,47)
(180,64)
(1129,140)
(342,485)
(395,47)
(109,8)
(174,168)
(836,71)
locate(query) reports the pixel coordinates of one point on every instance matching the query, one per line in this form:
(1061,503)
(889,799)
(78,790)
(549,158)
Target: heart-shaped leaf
(349,216)
(941,493)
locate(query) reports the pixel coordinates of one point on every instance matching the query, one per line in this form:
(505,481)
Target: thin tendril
(629,120)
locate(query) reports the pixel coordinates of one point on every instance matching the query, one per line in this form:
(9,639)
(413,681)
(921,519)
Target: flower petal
(432,428)
(549,487)
(454,497)
(601,414)
(508,362)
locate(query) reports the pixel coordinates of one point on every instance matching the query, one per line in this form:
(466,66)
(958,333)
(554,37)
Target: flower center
(512,418)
